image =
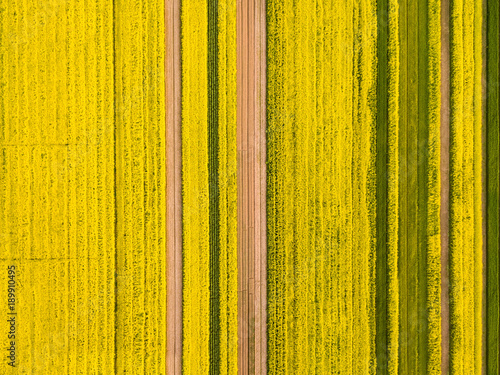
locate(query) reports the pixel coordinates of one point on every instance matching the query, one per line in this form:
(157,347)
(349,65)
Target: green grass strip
(478,186)
(419,236)
(404,205)
(492,186)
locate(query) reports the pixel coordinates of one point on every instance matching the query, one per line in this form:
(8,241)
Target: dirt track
(251,119)
(174,188)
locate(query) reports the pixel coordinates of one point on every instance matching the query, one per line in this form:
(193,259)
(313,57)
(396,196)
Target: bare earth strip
(174,187)
(251,136)
(445,184)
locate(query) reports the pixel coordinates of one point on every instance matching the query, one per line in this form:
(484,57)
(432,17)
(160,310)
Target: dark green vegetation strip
(422,171)
(492,197)
(413,196)
(382,189)
(404,192)
(213,183)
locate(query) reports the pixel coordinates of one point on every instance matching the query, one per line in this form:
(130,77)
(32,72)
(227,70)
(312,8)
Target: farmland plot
(82,140)
(353,179)
(209,194)
(465,188)
(419,184)
(140,186)
(56,184)
(321,186)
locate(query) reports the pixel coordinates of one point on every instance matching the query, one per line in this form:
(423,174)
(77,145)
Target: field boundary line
(174,187)
(492,146)
(251,136)
(483,183)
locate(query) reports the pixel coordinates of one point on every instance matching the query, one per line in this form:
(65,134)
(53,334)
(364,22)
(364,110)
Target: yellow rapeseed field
(195,194)
(433,180)
(227,343)
(353,186)
(140,186)
(57,184)
(320,137)
(82,182)
(466,213)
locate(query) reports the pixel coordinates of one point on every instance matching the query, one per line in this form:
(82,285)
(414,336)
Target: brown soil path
(174,187)
(445,185)
(251,137)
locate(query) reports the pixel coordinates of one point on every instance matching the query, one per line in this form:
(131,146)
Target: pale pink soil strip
(174,187)
(445,184)
(251,138)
